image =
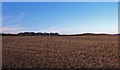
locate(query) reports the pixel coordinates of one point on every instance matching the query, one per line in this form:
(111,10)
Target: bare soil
(60,51)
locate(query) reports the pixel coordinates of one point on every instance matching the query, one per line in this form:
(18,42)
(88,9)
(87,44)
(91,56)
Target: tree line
(46,34)
(30,34)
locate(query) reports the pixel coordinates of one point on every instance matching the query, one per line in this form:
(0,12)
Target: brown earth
(60,51)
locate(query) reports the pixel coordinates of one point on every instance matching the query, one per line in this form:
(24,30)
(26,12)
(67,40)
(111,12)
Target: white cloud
(10,20)
(47,31)
(21,15)
(11,29)
(5,18)
(51,31)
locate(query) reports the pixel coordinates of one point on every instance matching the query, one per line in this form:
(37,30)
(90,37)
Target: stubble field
(60,51)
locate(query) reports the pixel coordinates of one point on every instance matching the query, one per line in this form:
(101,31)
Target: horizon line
(61,33)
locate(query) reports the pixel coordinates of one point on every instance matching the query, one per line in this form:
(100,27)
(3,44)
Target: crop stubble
(60,51)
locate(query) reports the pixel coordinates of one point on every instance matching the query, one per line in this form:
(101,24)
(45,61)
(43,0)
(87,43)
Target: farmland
(60,51)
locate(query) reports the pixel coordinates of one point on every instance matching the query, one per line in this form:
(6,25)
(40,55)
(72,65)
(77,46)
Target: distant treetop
(47,34)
